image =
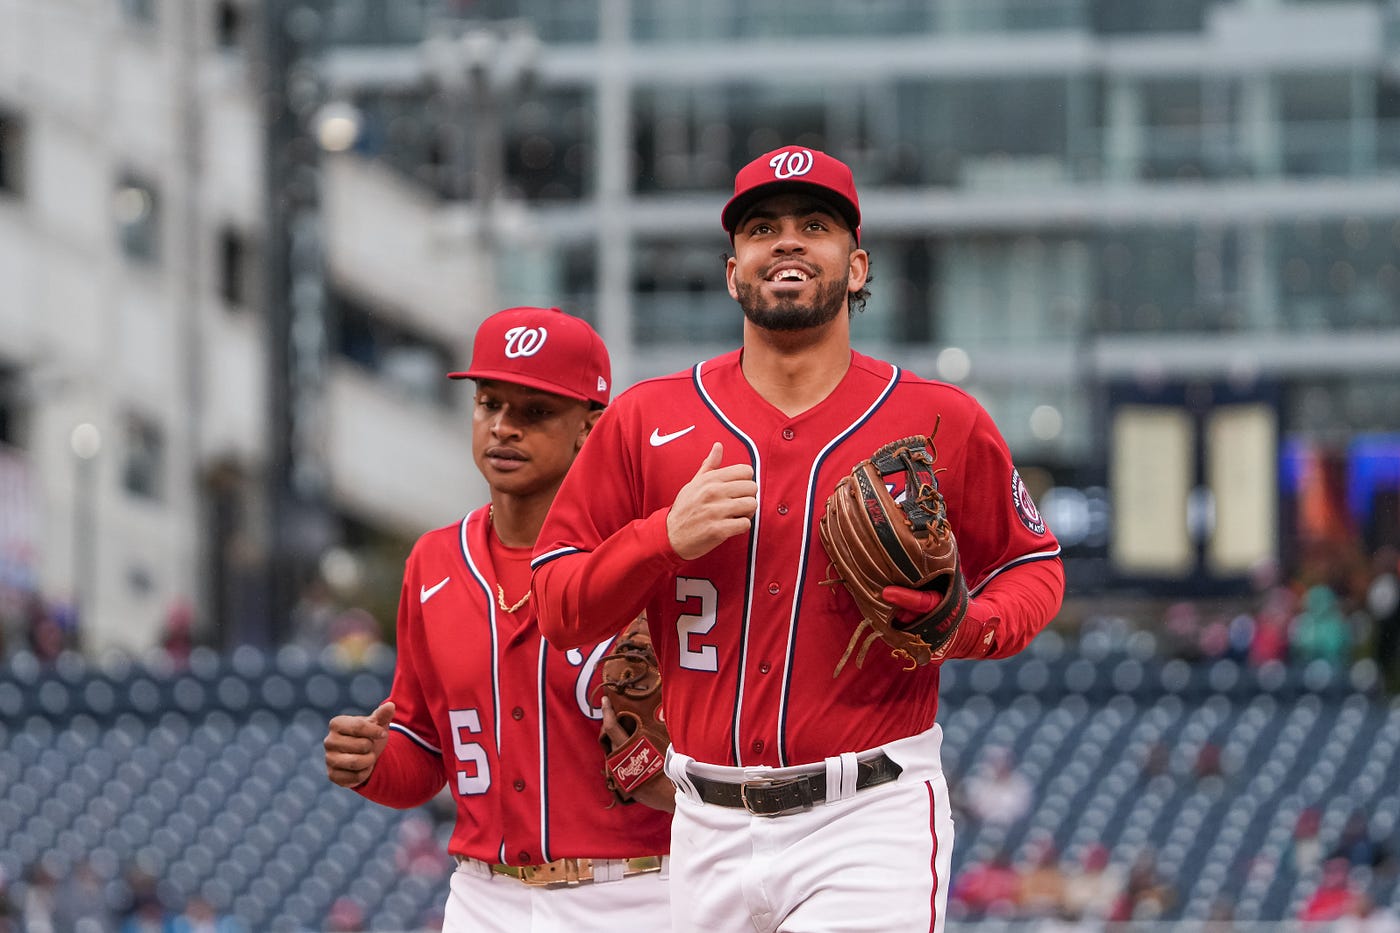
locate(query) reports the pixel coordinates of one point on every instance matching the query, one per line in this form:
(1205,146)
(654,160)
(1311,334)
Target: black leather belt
(788,795)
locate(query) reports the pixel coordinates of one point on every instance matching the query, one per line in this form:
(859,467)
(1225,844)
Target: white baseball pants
(874,860)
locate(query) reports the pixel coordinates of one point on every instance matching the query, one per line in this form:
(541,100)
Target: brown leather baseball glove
(886,524)
(631,682)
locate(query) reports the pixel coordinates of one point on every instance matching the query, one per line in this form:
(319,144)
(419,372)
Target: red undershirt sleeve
(1010,610)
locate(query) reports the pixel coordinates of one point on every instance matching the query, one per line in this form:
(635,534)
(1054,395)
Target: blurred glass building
(1158,239)
(242,241)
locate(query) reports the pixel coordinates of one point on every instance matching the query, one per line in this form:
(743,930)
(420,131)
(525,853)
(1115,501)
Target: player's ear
(858,270)
(590,418)
(729,266)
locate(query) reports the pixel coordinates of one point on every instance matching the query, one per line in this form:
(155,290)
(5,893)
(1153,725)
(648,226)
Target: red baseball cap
(789,168)
(542,348)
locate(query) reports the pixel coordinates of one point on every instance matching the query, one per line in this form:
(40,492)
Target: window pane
(136,209)
(143,469)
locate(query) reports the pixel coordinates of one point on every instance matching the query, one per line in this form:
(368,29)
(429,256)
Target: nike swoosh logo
(425,593)
(657,438)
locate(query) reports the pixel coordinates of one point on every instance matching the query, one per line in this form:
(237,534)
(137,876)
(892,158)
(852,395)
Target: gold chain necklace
(500,590)
(501,599)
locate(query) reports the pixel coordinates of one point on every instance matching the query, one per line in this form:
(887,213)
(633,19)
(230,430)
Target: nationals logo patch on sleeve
(1025,505)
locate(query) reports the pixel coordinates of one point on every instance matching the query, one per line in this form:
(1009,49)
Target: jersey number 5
(474,775)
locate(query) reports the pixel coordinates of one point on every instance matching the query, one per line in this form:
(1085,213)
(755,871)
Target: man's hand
(660,793)
(717,504)
(354,744)
(973,637)
(913,604)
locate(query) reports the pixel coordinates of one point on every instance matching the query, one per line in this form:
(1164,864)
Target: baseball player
(479,700)
(806,801)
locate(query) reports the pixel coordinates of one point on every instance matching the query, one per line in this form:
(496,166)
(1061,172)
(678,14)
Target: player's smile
(790,270)
(789,275)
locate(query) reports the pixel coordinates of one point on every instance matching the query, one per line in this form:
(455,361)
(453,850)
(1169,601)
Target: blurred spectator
(177,633)
(1334,897)
(1092,892)
(1357,845)
(1320,632)
(1265,575)
(199,916)
(991,888)
(354,634)
(40,901)
(315,610)
(347,915)
(1239,637)
(997,793)
(9,910)
(1383,605)
(1209,768)
(46,631)
(1208,761)
(1156,761)
(1306,847)
(1146,895)
(1221,918)
(81,903)
(1368,917)
(1043,883)
(419,852)
(11,618)
(320,621)
(1215,637)
(144,911)
(1181,627)
(1272,624)
(432,918)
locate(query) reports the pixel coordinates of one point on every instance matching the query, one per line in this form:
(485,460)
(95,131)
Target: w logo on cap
(525,341)
(791,163)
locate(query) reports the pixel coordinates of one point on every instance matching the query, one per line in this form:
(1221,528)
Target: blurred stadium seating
(210,777)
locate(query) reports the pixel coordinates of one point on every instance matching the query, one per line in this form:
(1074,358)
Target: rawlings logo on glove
(631,682)
(886,526)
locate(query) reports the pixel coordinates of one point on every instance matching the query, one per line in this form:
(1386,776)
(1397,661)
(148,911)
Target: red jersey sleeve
(1011,559)
(406,775)
(596,566)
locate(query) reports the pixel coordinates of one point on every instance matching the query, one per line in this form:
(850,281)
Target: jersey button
(517,713)
(525,857)
(519,784)
(764,667)
(782,508)
(757,745)
(788,434)
(774,588)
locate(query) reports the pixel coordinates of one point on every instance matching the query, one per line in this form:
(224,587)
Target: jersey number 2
(474,775)
(689,625)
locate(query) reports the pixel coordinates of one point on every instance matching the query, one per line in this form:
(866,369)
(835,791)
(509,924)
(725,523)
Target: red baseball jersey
(749,635)
(511,724)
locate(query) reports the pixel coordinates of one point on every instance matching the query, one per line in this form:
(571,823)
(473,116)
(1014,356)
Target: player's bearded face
(788,311)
